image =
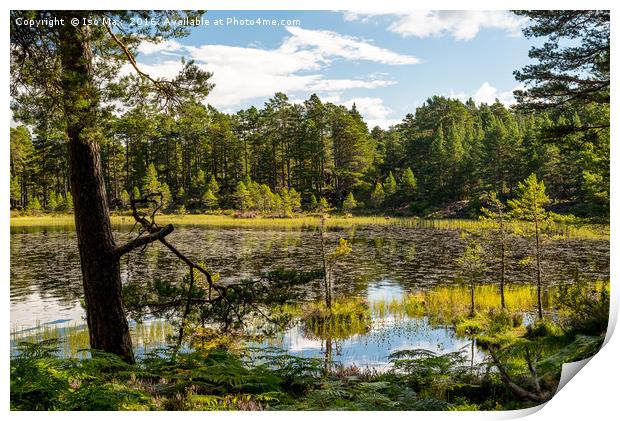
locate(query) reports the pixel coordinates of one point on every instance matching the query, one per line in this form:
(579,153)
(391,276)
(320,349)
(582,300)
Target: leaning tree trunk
(107,324)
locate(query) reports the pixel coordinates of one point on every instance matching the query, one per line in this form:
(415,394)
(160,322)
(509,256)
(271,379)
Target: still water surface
(386,262)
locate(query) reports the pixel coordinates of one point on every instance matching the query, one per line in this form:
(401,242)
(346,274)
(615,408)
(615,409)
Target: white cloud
(341,84)
(487,94)
(461,24)
(245,73)
(375,112)
(152,48)
(330,43)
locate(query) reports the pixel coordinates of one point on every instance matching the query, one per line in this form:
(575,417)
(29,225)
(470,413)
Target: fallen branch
(521,392)
(156,233)
(143,240)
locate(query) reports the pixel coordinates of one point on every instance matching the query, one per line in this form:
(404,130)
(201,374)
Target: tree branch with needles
(229,304)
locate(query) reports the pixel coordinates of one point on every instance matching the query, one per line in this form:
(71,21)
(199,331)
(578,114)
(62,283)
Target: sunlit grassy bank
(568,229)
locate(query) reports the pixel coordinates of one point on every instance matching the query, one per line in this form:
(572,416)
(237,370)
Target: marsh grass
(345,318)
(448,303)
(73,340)
(558,230)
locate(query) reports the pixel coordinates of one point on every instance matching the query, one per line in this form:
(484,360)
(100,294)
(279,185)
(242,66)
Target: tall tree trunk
(503,262)
(503,275)
(472,308)
(107,324)
(538,273)
(326,267)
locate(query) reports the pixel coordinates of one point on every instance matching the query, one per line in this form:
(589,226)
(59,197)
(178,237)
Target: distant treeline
(316,154)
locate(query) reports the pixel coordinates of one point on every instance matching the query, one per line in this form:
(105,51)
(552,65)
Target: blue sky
(388,64)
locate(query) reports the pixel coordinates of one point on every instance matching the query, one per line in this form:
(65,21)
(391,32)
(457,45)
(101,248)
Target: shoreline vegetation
(214,376)
(445,305)
(564,227)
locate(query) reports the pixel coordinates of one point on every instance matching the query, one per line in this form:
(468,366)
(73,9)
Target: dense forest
(448,151)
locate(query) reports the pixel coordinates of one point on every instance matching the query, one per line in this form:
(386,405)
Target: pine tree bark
(107,324)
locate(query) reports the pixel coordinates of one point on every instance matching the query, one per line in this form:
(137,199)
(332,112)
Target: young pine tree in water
(472,265)
(494,213)
(529,205)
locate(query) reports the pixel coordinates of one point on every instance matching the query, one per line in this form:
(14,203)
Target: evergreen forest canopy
(448,151)
(311,154)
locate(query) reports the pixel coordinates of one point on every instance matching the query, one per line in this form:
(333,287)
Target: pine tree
(494,212)
(313,204)
(389,187)
(213,186)
(290,201)
(199,186)
(255,192)
(472,266)
(295,199)
(408,183)
(181,195)
(349,203)
(59,202)
(209,200)
(136,192)
(377,196)
(81,75)
(266,198)
(34,205)
(68,202)
(124,198)
(285,204)
(561,76)
(437,162)
(529,205)
(166,196)
(242,197)
(323,205)
(150,183)
(276,202)
(16,191)
(454,156)
(51,203)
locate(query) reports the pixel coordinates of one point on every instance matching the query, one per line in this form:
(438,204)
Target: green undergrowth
(221,380)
